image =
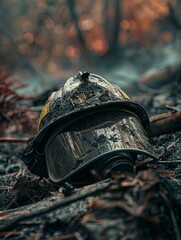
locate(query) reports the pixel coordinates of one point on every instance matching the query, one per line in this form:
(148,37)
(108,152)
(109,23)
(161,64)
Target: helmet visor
(93,136)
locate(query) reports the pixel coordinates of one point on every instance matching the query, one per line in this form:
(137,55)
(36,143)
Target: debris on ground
(144,205)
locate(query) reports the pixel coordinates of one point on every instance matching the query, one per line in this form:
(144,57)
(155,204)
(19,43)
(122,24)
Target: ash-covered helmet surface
(86,122)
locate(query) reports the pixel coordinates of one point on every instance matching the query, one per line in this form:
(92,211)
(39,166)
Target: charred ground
(143,206)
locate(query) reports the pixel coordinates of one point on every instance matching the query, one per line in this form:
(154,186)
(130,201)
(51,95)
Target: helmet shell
(81,96)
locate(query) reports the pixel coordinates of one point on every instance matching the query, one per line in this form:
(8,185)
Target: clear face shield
(93,139)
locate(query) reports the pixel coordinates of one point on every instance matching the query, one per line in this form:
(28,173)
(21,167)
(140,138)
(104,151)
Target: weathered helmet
(85,121)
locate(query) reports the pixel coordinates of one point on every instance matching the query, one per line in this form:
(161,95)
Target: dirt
(141,206)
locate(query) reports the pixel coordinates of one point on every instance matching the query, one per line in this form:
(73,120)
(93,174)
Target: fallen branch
(156,78)
(8,234)
(62,203)
(169,162)
(165,123)
(12,140)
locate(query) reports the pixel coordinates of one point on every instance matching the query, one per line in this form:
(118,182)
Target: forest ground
(143,206)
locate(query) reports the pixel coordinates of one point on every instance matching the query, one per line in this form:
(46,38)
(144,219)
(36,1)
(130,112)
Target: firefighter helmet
(86,120)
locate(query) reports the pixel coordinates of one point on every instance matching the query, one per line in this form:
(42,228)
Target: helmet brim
(41,138)
(86,167)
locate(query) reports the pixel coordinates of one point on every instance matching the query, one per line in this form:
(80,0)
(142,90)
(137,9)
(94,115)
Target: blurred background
(44,42)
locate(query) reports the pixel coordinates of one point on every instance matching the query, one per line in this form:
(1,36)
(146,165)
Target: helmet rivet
(85,76)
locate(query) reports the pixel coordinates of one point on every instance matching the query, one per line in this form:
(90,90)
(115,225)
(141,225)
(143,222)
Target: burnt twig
(165,123)
(9,140)
(169,162)
(11,224)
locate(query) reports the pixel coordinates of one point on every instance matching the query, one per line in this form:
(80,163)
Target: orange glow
(72,52)
(28,37)
(47,31)
(140,17)
(100,46)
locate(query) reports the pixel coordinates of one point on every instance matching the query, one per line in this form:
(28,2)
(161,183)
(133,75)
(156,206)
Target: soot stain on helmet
(88,94)
(96,103)
(101,139)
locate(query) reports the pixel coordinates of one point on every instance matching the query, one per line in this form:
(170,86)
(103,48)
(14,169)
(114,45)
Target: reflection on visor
(91,137)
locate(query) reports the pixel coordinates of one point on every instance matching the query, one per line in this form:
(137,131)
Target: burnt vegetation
(15,109)
(61,36)
(145,205)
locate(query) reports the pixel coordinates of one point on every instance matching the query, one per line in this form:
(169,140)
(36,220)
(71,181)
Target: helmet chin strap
(119,163)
